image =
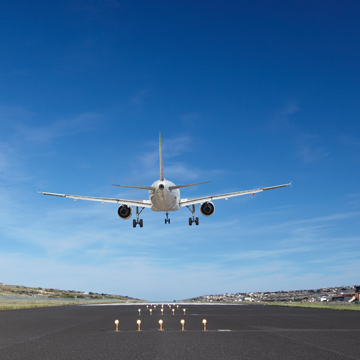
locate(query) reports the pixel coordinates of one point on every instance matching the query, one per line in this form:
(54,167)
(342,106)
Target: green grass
(26,303)
(321,305)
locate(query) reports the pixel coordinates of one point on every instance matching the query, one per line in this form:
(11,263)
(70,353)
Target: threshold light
(150,311)
(184,310)
(173,311)
(139,310)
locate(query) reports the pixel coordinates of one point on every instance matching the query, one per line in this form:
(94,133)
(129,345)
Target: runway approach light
(204,322)
(177,306)
(182,322)
(162,311)
(150,311)
(184,310)
(116,325)
(160,323)
(139,310)
(147,306)
(139,323)
(173,311)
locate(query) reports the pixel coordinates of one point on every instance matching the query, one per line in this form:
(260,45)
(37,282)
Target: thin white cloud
(82,123)
(14,114)
(282,120)
(309,154)
(174,169)
(140,97)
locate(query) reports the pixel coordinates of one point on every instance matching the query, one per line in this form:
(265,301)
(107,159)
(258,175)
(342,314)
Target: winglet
(161,160)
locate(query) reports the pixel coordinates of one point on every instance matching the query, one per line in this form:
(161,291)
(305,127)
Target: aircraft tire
(141,223)
(197,221)
(134,223)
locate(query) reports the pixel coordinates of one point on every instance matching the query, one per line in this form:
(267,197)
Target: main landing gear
(193,219)
(138,221)
(167,220)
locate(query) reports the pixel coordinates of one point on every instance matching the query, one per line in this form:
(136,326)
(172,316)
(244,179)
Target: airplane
(164,196)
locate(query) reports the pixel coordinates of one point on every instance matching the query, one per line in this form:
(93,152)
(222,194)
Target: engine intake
(125,212)
(207,208)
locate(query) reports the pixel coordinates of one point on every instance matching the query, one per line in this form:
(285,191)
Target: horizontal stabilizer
(183,186)
(136,187)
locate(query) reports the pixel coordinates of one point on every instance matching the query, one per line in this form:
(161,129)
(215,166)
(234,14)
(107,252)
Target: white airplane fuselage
(162,198)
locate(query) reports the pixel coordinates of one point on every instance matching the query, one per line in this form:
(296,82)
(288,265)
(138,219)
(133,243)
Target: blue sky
(246,94)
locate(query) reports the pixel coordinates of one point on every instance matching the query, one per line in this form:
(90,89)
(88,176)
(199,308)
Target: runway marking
(224,330)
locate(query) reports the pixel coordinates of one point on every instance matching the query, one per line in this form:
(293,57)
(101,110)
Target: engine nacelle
(125,212)
(207,208)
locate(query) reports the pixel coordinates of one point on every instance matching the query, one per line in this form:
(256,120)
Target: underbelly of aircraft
(164,203)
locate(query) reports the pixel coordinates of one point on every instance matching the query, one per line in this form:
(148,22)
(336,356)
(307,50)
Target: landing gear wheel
(193,219)
(137,220)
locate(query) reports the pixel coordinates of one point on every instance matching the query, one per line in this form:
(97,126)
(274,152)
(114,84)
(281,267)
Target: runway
(233,332)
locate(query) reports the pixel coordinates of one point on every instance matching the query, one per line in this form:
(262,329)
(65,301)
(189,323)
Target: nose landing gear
(167,220)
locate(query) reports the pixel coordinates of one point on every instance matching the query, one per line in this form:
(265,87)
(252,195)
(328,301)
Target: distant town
(342,293)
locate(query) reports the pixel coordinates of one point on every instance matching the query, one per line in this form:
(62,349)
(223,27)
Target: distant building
(343,297)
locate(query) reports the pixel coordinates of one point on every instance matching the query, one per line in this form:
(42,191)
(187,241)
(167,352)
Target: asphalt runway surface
(233,332)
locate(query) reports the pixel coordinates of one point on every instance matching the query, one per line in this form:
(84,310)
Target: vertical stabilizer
(161,160)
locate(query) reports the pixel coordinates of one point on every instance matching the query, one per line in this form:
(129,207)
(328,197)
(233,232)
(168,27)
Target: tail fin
(161,160)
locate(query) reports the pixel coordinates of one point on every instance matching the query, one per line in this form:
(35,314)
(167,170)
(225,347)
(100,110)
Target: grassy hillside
(21,297)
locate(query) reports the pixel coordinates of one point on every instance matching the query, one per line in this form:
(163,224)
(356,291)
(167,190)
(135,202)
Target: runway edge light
(182,322)
(138,323)
(116,325)
(204,322)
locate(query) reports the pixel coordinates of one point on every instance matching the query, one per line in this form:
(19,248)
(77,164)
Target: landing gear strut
(138,221)
(193,219)
(167,220)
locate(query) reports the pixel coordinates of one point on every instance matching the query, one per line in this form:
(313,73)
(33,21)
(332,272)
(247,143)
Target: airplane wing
(142,203)
(187,202)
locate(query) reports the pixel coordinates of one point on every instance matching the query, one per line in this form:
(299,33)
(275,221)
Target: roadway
(233,332)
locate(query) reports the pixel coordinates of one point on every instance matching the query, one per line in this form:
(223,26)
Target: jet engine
(207,208)
(125,212)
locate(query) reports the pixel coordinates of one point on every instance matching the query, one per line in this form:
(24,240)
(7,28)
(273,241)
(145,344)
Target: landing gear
(167,220)
(138,221)
(193,219)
